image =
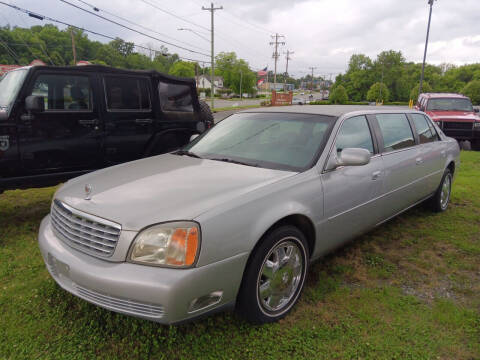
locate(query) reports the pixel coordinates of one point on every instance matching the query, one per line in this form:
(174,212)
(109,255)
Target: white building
(203,81)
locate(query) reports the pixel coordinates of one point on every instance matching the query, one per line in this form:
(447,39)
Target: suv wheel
(275,276)
(441,198)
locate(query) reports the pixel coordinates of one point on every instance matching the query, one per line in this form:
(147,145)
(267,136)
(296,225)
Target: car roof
(333,110)
(444,95)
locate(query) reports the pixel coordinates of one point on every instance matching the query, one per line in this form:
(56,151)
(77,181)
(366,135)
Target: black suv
(60,122)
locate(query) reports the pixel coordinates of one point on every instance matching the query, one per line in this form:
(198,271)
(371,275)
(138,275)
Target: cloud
(322,33)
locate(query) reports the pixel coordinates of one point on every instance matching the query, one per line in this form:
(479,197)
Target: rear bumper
(158,294)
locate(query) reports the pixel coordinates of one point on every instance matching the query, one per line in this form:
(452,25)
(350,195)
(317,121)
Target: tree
(425,88)
(378,92)
(183,69)
(472,90)
(339,95)
(235,72)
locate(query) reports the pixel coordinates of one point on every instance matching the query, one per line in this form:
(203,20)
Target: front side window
(270,140)
(355,133)
(424,131)
(127,93)
(396,131)
(450,104)
(64,92)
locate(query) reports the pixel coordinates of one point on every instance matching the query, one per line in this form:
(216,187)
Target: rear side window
(64,92)
(355,133)
(124,93)
(396,131)
(175,97)
(424,131)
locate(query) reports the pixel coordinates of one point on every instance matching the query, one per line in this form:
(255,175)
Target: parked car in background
(454,114)
(298,101)
(235,217)
(60,122)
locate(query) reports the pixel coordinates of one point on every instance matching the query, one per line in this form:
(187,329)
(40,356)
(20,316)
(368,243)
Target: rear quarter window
(175,97)
(125,93)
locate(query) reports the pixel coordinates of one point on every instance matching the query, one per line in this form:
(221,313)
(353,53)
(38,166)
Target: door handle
(88,122)
(143,121)
(376,175)
(418,161)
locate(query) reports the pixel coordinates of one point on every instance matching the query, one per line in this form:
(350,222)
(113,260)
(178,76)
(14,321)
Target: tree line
(390,77)
(54,47)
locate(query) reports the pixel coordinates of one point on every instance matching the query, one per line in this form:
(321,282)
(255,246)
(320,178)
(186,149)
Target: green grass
(235,107)
(408,290)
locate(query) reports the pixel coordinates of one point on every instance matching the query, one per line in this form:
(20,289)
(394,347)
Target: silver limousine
(235,218)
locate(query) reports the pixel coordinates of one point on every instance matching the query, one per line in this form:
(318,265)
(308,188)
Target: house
(6,68)
(203,82)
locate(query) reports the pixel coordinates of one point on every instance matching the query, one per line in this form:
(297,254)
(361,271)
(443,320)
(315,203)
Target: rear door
(352,193)
(128,116)
(66,136)
(432,152)
(402,162)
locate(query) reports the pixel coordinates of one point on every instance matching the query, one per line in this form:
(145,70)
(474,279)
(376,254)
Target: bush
(338,95)
(378,92)
(425,88)
(207,91)
(472,90)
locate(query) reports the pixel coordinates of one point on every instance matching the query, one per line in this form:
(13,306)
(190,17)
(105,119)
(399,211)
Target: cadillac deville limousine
(234,218)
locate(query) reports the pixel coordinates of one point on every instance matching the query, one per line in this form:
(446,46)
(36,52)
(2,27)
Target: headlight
(477,124)
(174,244)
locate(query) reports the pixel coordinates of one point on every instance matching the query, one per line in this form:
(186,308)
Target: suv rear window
(396,131)
(127,93)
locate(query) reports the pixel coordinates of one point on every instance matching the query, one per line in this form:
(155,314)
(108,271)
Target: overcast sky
(322,33)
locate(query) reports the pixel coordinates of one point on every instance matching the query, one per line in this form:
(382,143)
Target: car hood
(462,116)
(163,188)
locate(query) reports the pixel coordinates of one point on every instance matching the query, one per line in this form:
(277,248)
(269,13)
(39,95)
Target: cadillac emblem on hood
(88,191)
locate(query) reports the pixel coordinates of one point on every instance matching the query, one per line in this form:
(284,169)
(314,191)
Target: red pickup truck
(454,114)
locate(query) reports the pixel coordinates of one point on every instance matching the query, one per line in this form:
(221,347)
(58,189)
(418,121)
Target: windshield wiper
(234,161)
(188,153)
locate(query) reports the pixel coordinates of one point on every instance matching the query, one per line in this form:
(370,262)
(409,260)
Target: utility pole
(430,2)
(241,76)
(287,57)
(312,68)
(212,68)
(74,50)
(276,55)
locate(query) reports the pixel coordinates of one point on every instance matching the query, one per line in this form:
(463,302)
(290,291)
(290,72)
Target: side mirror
(349,157)
(193,137)
(201,127)
(3,115)
(476,110)
(35,104)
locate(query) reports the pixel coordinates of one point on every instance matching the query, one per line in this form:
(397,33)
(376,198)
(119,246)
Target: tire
(439,201)
(206,115)
(269,288)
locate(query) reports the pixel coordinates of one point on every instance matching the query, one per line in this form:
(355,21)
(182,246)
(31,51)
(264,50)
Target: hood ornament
(88,191)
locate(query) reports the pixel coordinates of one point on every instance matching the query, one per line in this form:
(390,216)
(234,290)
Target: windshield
(271,140)
(450,104)
(10,83)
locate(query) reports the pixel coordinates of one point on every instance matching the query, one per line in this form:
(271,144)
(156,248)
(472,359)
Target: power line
(44,17)
(10,52)
(131,29)
(174,15)
(96,8)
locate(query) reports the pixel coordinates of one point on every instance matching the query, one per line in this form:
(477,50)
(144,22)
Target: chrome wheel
(445,192)
(281,275)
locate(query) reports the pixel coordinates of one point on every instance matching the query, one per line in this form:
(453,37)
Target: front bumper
(158,294)
(450,129)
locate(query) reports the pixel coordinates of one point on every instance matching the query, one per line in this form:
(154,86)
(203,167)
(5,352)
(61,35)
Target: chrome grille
(113,303)
(84,232)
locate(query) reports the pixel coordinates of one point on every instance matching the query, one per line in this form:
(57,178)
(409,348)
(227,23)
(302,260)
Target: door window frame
(378,133)
(149,91)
